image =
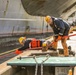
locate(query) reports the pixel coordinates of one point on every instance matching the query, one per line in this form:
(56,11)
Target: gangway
(43,65)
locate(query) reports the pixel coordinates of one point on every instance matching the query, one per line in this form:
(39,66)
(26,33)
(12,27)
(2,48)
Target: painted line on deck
(8,51)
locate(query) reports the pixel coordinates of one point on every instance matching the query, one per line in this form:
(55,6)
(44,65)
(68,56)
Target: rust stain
(6,7)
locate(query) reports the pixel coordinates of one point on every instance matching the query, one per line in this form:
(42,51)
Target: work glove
(58,38)
(65,37)
(18,52)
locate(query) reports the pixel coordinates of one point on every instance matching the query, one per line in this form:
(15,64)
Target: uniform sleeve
(60,26)
(26,45)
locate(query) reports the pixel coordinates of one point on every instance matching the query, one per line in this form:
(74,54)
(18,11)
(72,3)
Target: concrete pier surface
(7,70)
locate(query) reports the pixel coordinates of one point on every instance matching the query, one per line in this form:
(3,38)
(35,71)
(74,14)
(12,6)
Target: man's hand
(65,37)
(18,52)
(59,38)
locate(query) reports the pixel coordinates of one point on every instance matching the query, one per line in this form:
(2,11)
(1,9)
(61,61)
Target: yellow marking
(8,51)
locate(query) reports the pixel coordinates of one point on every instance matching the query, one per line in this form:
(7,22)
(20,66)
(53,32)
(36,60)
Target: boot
(66,53)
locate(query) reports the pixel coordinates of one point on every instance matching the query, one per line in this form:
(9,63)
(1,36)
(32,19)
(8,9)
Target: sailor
(61,29)
(28,43)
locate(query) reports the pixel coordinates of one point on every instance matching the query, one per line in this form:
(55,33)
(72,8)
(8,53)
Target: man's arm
(60,26)
(26,46)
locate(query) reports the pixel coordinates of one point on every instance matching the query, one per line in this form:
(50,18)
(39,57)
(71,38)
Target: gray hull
(21,16)
(14,19)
